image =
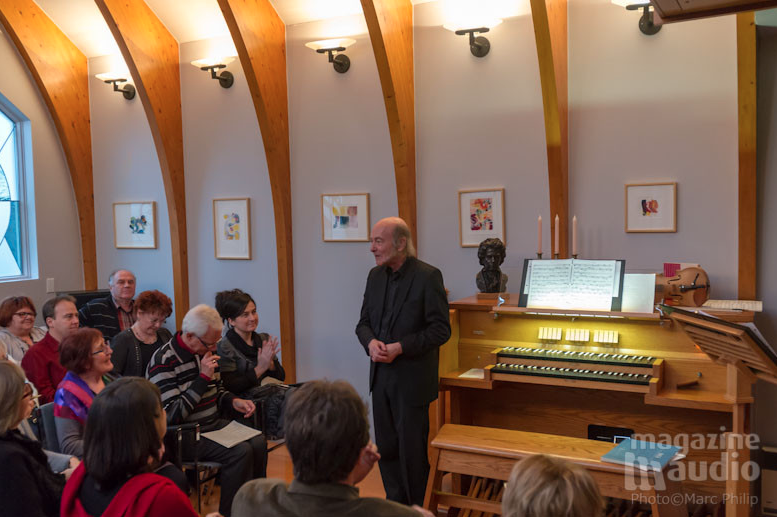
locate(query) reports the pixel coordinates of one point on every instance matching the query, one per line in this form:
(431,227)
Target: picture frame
(345,217)
(134,225)
(481,216)
(232,228)
(651,207)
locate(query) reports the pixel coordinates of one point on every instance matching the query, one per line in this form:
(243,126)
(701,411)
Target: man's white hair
(200,319)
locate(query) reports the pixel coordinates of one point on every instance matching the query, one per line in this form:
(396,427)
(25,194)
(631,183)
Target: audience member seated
(133,348)
(247,358)
(27,484)
(114,313)
(87,359)
(328,437)
(117,475)
(186,371)
(544,486)
(19,333)
(41,363)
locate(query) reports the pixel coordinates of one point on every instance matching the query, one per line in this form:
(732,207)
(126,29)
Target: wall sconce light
(334,47)
(478,45)
(128,91)
(647,25)
(212,64)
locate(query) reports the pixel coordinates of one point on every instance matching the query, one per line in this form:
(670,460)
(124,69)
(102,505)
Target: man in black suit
(404,320)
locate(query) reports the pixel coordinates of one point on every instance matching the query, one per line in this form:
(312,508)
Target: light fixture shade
(113,76)
(330,43)
(472,23)
(624,3)
(213,61)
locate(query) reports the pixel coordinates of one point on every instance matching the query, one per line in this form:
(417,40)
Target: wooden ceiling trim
(550,32)
(151,54)
(60,72)
(390,23)
(746,99)
(259,35)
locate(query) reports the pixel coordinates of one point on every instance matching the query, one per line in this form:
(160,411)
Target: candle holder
(555,256)
(539,255)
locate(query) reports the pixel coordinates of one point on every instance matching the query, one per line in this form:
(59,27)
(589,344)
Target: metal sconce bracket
(340,62)
(478,45)
(646,24)
(128,91)
(225,78)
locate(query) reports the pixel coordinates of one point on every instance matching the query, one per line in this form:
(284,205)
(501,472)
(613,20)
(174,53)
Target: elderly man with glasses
(187,373)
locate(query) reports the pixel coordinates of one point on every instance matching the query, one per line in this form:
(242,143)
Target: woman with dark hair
(247,358)
(27,484)
(88,361)
(19,333)
(117,475)
(133,348)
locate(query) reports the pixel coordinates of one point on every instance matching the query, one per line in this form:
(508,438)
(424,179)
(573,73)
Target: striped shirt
(187,396)
(104,315)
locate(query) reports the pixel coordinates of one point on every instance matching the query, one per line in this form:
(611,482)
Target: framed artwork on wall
(651,207)
(345,217)
(481,216)
(134,224)
(231,228)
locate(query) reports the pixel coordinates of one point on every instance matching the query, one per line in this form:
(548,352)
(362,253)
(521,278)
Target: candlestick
(539,235)
(555,239)
(574,235)
(539,256)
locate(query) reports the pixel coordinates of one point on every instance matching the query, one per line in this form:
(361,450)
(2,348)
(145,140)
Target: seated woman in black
(247,358)
(27,484)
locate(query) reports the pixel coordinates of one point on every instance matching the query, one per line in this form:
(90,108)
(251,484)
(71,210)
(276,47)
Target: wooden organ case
(559,372)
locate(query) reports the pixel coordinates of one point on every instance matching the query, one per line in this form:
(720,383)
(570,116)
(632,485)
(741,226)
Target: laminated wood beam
(390,23)
(60,72)
(151,55)
(259,35)
(746,84)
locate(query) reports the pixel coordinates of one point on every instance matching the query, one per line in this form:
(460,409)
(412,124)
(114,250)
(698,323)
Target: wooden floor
(279,467)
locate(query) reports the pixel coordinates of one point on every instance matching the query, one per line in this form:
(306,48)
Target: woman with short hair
(117,475)
(88,361)
(19,333)
(247,358)
(27,484)
(133,348)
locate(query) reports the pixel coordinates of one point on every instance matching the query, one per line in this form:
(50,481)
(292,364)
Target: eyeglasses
(28,391)
(24,314)
(206,345)
(102,350)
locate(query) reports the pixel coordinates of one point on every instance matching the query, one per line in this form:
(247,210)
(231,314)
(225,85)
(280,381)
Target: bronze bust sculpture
(491,254)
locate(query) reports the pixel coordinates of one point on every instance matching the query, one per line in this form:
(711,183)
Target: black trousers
(243,462)
(401,433)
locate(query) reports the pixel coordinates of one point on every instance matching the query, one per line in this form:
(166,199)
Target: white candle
(574,235)
(539,234)
(555,240)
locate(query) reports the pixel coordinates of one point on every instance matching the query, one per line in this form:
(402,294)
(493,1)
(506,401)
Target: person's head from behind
(201,329)
(327,431)
(117,446)
(544,486)
(84,352)
(15,396)
(238,309)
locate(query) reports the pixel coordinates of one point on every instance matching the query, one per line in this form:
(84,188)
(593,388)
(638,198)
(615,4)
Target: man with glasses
(186,371)
(41,362)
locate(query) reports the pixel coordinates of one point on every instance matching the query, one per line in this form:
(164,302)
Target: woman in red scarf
(120,454)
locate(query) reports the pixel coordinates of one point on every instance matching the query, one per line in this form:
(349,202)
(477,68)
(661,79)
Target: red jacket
(145,495)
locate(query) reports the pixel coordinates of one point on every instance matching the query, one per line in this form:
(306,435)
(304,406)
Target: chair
(49,440)
(205,472)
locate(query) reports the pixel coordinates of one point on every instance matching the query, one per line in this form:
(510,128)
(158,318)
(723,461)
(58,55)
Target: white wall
(224,157)
(126,168)
(58,233)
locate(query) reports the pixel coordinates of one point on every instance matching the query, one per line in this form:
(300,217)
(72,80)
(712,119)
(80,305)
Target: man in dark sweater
(114,313)
(186,371)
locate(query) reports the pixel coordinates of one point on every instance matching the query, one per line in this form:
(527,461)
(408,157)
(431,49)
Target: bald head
(391,242)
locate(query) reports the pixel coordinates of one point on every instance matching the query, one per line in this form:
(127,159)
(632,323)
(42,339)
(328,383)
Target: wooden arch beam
(151,54)
(60,71)
(748,198)
(550,32)
(259,35)
(390,23)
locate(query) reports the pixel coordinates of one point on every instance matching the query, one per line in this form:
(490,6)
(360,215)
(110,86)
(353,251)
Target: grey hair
(113,274)
(200,319)
(402,230)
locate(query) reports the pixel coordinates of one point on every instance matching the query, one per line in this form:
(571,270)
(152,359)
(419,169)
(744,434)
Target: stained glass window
(11,252)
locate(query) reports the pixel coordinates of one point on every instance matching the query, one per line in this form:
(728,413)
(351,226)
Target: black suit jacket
(420,322)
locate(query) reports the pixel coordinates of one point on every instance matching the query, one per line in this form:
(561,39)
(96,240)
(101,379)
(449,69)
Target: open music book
(595,285)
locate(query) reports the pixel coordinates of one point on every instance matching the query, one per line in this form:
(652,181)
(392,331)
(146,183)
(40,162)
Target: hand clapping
(265,355)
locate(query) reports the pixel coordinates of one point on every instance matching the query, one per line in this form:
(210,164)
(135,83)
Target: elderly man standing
(114,313)
(187,373)
(404,320)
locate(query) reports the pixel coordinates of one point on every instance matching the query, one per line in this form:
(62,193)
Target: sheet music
(232,434)
(573,284)
(548,283)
